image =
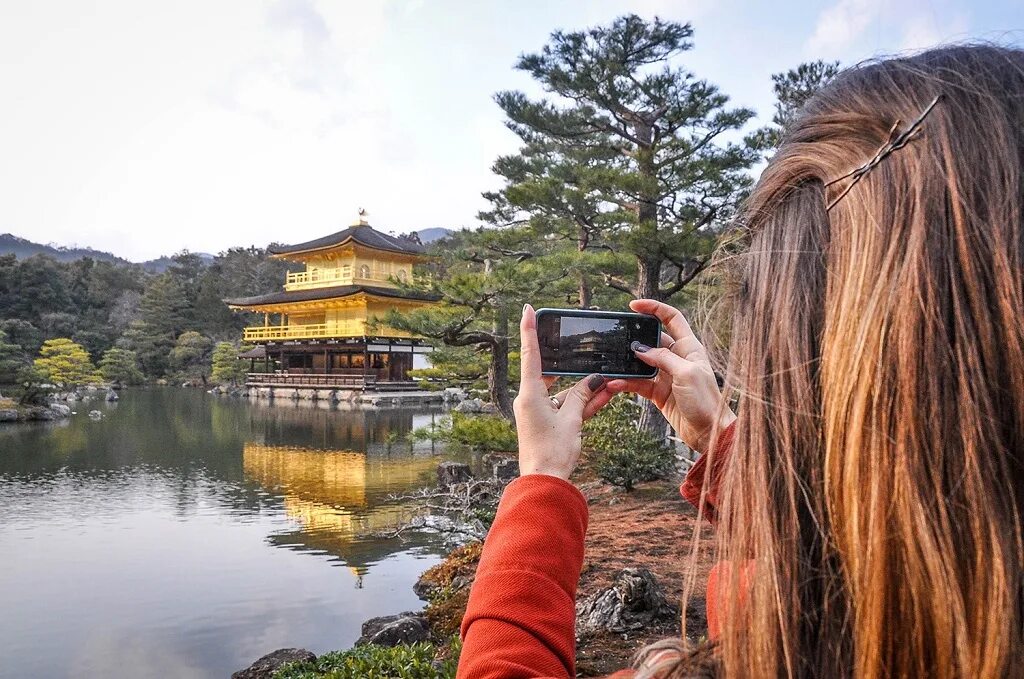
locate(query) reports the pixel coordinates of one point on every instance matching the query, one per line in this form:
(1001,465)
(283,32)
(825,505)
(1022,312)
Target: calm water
(185,535)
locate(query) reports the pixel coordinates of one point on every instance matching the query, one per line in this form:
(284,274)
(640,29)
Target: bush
(415,661)
(622,454)
(480,432)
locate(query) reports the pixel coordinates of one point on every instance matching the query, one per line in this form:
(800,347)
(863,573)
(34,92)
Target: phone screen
(576,342)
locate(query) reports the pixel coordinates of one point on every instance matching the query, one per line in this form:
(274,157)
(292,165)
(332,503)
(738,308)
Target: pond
(185,535)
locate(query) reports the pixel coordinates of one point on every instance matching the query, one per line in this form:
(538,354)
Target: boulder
(41,413)
(60,409)
(265,667)
(470,405)
(8,415)
(489,408)
(450,473)
(634,601)
(453,394)
(392,630)
(111,396)
(95,414)
(506,469)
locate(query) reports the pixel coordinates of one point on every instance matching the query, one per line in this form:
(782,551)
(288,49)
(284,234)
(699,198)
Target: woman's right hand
(685,389)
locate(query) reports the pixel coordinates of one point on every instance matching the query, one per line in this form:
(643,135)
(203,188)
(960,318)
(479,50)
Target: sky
(144,128)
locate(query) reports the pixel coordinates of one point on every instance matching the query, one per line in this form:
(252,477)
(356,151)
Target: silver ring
(671,344)
(555,402)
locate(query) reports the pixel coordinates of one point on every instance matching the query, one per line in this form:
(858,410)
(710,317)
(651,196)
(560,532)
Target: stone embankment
(60,405)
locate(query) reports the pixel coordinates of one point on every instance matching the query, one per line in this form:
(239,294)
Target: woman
(867,500)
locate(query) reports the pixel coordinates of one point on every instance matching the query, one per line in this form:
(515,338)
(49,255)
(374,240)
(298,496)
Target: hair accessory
(895,142)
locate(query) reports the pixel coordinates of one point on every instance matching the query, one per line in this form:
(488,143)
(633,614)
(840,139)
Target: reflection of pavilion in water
(302,425)
(338,497)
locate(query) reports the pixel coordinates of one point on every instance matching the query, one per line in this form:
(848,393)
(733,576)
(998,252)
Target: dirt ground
(650,527)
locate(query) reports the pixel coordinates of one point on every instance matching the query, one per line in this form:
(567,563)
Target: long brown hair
(871,510)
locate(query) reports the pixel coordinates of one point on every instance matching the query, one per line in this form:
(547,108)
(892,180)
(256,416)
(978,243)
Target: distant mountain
(160,264)
(432,234)
(22,248)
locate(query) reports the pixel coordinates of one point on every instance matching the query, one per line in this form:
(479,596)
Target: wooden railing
(322,278)
(282,379)
(343,275)
(308,331)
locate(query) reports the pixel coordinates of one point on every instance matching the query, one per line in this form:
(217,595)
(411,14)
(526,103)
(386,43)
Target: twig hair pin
(895,142)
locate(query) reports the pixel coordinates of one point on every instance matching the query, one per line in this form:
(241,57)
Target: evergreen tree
(792,90)
(65,363)
(151,349)
(628,156)
(121,366)
(190,357)
(630,151)
(482,280)
(13,360)
(226,367)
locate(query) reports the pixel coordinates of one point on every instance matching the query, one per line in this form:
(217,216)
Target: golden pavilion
(322,329)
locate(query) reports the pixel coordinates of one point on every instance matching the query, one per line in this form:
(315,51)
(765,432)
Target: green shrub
(621,454)
(415,661)
(480,432)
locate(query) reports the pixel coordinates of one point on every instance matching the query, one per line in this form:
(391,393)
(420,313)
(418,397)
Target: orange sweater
(521,617)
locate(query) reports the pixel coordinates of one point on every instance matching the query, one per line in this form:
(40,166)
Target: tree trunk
(497,372)
(585,294)
(648,285)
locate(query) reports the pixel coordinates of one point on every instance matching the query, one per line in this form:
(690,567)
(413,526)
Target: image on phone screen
(577,343)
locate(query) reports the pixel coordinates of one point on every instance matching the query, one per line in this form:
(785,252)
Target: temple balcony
(337,329)
(343,275)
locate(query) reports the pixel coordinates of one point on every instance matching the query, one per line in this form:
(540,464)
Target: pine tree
(628,157)
(792,90)
(121,367)
(65,363)
(226,366)
(190,357)
(482,280)
(630,151)
(13,360)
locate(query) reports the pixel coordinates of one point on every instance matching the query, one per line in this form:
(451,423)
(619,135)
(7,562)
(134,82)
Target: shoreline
(649,528)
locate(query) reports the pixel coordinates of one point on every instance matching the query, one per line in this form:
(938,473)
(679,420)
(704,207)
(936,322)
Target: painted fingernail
(595,383)
(639,347)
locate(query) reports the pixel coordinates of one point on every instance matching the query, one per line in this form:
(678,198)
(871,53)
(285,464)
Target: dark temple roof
(314,294)
(364,234)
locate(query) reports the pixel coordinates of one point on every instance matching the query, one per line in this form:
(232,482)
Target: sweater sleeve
(520,621)
(694,481)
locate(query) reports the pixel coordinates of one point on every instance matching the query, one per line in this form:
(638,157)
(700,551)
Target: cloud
(841,25)
(923,31)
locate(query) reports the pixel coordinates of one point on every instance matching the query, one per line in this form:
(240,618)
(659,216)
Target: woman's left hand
(549,433)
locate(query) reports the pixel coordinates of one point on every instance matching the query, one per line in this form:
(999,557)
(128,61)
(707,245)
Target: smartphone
(578,342)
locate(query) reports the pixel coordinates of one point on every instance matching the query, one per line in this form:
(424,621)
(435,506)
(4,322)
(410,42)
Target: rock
(91,387)
(95,415)
(41,413)
(506,469)
(470,405)
(60,409)
(453,394)
(8,415)
(265,667)
(450,473)
(70,397)
(111,396)
(633,602)
(392,630)
(488,408)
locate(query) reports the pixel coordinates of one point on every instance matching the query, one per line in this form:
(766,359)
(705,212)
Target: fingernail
(639,347)
(595,383)
(525,307)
